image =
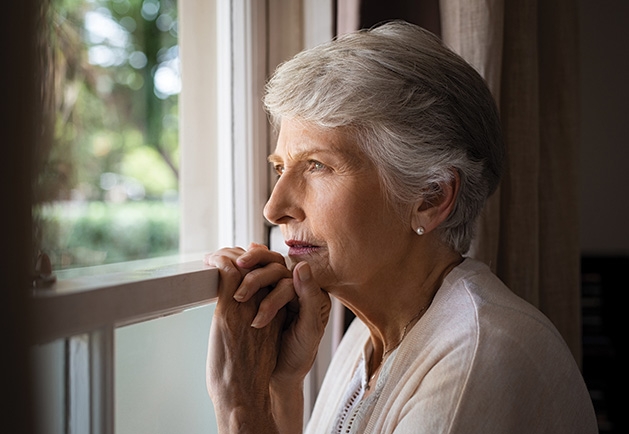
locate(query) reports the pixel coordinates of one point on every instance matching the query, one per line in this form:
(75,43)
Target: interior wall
(19,135)
(604,156)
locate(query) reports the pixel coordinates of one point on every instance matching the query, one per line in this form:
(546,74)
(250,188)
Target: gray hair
(417,109)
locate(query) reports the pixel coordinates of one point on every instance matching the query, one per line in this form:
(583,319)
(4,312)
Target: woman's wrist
(241,419)
(287,401)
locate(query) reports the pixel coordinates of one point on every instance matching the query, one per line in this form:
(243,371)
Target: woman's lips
(300,248)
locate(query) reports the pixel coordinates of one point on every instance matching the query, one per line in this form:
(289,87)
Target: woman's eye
(279,169)
(316,166)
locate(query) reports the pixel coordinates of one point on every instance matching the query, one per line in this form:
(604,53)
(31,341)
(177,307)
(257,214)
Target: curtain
(527,51)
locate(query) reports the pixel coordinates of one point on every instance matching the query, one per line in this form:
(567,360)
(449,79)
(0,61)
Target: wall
(19,116)
(604,170)
(604,210)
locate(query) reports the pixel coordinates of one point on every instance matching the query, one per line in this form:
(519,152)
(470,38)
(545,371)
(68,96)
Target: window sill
(116,295)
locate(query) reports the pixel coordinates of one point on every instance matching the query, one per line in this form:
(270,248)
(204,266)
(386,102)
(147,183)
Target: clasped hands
(265,332)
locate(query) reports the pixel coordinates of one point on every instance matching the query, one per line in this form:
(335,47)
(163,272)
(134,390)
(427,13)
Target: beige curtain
(527,52)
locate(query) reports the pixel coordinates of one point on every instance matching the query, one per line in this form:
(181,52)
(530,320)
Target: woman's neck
(390,308)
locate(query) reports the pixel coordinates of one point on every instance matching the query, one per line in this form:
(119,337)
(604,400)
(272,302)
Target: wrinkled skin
(264,337)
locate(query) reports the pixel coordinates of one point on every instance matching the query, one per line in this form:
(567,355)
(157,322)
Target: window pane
(49,374)
(108,183)
(160,375)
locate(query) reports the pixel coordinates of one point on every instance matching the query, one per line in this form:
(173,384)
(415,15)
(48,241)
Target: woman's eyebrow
(275,159)
(305,154)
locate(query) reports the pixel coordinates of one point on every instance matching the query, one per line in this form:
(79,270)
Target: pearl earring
(420,230)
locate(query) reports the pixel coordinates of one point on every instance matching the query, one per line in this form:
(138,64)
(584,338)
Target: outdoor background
(108,185)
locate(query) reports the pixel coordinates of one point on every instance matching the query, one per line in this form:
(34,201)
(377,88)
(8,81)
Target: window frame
(214,109)
(223,99)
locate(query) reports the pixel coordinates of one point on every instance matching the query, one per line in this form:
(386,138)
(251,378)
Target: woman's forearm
(245,420)
(282,413)
(287,402)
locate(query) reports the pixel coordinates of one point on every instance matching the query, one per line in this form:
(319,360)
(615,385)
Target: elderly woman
(389,144)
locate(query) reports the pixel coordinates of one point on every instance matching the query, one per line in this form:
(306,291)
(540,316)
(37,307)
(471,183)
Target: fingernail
(258,321)
(240,295)
(304,273)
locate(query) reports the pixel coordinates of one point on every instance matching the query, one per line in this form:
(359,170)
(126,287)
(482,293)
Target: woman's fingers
(269,275)
(314,303)
(232,252)
(306,329)
(230,276)
(259,267)
(259,255)
(218,258)
(280,296)
(245,273)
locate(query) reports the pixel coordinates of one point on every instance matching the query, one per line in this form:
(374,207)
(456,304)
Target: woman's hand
(307,315)
(258,292)
(308,307)
(241,359)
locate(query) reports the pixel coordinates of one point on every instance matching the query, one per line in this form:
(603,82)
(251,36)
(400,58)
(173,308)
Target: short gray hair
(417,109)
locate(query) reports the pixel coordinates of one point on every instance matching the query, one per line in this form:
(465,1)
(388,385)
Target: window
(99,327)
(107,187)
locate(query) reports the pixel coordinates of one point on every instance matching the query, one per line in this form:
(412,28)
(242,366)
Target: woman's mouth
(300,248)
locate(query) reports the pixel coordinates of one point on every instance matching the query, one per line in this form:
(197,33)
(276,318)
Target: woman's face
(331,209)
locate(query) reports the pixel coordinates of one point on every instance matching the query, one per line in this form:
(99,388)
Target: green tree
(110,88)
(107,59)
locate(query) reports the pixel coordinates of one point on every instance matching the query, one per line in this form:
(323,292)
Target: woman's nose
(283,204)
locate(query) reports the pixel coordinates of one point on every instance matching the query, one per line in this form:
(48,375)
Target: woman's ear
(431,211)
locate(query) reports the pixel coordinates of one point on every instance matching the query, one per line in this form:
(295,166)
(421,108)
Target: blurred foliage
(111,135)
(94,233)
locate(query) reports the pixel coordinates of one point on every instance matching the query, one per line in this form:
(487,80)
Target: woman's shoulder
(480,343)
(476,316)
(473,289)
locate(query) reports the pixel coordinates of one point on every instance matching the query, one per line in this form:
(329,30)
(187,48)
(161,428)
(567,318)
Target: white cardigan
(480,360)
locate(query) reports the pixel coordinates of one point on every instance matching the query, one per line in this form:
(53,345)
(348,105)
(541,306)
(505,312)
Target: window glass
(160,375)
(107,189)
(159,378)
(49,391)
